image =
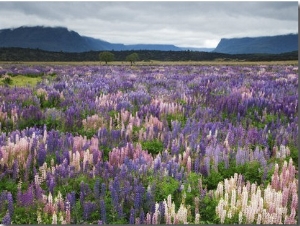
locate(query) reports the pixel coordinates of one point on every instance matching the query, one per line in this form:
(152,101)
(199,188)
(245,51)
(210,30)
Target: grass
(21,80)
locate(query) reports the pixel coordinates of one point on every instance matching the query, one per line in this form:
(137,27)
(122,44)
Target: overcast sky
(184,24)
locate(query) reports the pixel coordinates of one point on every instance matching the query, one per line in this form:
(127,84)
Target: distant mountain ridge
(267,44)
(60,39)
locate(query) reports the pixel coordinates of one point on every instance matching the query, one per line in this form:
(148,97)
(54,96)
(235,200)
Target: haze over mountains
(58,39)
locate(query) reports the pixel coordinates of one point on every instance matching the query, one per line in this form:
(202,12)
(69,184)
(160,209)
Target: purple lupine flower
(103,189)
(51,184)
(71,198)
(41,155)
(97,189)
(161,208)
(115,189)
(142,217)
(58,158)
(197,165)
(32,114)
(103,210)
(10,203)
(34,145)
(120,211)
(138,199)
(132,216)
(88,208)
(81,198)
(28,166)
(6,219)
(207,165)
(96,155)
(175,149)
(66,156)
(38,192)
(27,198)
(53,141)
(3,197)
(116,135)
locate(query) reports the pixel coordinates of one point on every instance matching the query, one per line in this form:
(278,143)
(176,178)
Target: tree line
(26,54)
(108,56)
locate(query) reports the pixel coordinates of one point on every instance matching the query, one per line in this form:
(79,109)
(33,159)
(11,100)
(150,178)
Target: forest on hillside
(25,54)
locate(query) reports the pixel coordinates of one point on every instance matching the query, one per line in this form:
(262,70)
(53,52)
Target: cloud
(194,24)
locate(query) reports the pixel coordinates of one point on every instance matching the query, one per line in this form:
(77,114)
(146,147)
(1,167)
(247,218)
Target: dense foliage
(149,145)
(25,54)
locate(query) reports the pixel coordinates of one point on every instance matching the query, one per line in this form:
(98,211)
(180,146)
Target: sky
(181,23)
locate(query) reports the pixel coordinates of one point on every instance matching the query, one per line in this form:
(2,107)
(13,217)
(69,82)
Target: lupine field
(149,145)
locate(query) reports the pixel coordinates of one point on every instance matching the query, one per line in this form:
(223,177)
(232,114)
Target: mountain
(269,44)
(98,44)
(58,39)
(45,38)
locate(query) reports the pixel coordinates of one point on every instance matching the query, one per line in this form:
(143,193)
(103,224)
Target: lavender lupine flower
(88,208)
(3,197)
(142,217)
(6,219)
(103,190)
(207,165)
(97,189)
(34,145)
(103,210)
(132,216)
(81,198)
(27,198)
(41,155)
(161,209)
(139,191)
(27,168)
(53,141)
(120,211)
(96,155)
(71,198)
(197,165)
(10,203)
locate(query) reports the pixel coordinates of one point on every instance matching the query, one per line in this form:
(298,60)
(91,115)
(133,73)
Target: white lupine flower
(50,199)
(223,215)
(253,188)
(39,218)
(219,207)
(169,201)
(226,197)
(258,220)
(244,198)
(54,218)
(219,190)
(233,198)
(182,214)
(197,218)
(229,214)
